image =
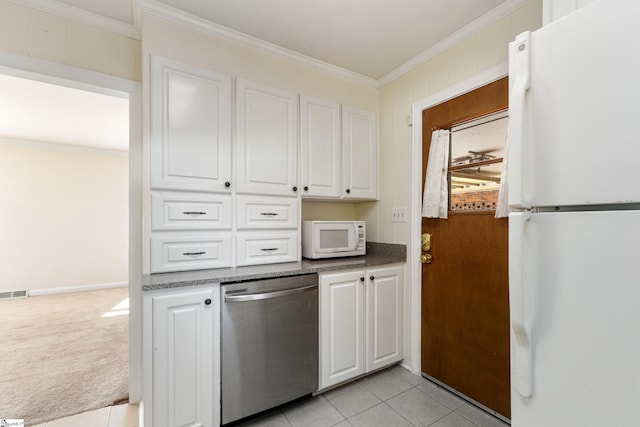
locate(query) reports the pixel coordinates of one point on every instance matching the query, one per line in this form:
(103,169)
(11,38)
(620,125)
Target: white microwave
(328,239)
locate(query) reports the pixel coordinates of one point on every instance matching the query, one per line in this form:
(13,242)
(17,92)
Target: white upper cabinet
(320,156)
(266,149)
(360,154)
(190,128)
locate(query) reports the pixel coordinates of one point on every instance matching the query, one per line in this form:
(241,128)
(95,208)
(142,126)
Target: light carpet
(60,357)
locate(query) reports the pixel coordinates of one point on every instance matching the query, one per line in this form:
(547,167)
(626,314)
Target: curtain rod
(470,126)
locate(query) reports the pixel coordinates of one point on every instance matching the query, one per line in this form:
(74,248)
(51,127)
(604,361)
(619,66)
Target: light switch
(399,215)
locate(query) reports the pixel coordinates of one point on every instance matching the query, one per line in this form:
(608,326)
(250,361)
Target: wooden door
(465,295)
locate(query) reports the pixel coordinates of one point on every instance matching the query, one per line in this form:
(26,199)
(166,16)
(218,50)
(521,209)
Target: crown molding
(161,10)
(484,21)
(76,14)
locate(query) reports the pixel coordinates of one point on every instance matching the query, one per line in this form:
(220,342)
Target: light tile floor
(391,398)
(113,416)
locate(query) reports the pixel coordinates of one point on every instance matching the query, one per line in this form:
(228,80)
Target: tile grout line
(285,417)
(408,420)
(359,412)
(401,416)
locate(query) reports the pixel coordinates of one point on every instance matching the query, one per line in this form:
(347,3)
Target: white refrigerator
(574,230)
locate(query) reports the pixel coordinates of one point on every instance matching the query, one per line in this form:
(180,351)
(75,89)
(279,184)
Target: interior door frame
(415,248)
(64,75)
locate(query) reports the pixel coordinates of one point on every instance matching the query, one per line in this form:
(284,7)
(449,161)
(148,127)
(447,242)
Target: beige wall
(329,211)
(476,54)
(64,217)
(41,35)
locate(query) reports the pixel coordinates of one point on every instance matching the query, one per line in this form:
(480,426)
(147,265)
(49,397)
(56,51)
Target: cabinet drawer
(267,212)
(177,253)
(190,212)
(267,248)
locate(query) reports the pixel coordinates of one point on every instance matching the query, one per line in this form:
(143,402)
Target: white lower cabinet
(182,357)
(361,319)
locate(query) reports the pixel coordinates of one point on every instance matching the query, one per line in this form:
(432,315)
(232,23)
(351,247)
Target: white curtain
(436,189)
(502,210)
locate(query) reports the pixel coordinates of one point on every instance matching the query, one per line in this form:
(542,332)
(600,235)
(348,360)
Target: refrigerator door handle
(519,71)
(522,345)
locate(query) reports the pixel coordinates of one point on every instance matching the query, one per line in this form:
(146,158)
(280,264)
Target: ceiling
(371,38)
(35,111)
(368,37)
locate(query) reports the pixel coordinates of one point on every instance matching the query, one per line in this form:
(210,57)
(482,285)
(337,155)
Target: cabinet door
(190,128)
(341,327)
(186,336)
(320,156)
(266,161)
(384,317)
(360,154)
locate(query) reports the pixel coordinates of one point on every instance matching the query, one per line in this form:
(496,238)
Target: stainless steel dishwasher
(269,344)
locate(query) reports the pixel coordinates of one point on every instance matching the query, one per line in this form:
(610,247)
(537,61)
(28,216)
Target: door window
(475,166)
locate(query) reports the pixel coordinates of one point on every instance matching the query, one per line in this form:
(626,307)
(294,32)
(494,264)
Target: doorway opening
(70,192)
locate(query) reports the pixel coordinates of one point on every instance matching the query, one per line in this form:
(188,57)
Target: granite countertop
(377,254)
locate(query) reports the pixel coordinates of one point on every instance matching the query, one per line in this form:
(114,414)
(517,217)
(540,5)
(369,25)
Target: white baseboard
(80,288)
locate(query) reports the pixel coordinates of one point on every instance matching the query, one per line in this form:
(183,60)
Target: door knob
(426,258)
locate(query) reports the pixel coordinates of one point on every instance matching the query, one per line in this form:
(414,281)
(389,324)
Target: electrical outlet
(398,214)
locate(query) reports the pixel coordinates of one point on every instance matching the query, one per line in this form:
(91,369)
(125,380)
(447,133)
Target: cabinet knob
(227,184)
(306,188)
(372,278)
(295,188)
(207,301)
(362,279)
(348,190)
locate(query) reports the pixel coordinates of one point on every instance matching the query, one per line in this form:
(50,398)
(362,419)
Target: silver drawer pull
(268,214)
(193,253)
(194,213)
(268,249)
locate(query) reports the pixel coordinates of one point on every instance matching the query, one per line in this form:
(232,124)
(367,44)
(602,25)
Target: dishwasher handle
(268,295)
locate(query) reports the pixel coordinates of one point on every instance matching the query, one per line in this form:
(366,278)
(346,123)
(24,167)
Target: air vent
(22,293)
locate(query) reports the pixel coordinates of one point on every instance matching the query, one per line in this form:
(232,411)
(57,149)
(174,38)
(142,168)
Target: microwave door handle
(355,237)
